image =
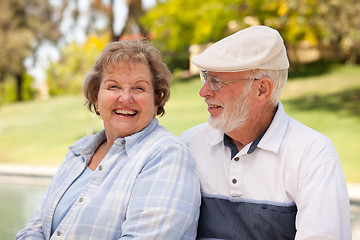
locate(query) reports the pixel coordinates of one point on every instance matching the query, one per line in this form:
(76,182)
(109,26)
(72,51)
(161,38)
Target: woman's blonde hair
(140,51)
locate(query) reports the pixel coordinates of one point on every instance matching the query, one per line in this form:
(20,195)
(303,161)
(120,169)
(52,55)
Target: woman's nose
(126,96)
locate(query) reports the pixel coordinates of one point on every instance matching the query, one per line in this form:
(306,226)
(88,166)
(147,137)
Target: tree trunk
(133,28)
(114,36)
(19,87)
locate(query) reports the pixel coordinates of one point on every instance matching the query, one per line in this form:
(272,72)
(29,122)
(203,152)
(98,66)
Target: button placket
(235,177)
(100,168)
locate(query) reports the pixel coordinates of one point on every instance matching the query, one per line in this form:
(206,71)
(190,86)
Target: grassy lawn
(327,100)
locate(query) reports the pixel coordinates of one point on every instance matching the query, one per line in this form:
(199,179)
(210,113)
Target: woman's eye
(139,89)
(113,87)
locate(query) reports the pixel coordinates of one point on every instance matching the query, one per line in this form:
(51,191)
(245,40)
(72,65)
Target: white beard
(235,113)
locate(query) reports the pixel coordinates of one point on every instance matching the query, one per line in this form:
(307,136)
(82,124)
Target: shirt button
(236,159)
(81,199)
(123,142)
(234,181)
(58,233)
(100,168)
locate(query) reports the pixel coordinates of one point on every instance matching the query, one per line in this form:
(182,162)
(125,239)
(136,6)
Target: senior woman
(132,180)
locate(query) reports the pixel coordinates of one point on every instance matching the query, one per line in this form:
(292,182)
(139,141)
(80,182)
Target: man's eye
(113,87)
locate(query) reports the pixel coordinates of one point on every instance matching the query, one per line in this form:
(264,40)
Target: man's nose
(206,90)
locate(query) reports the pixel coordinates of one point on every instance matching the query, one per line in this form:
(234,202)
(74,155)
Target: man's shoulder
(197,128)
(309,140)
(198,131)
(300,130)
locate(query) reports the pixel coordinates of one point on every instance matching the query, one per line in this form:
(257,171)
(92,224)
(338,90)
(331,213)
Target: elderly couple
(251,172)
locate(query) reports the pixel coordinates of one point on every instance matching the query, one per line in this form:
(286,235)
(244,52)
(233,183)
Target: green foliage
(28,90)
(24,25)
(176,24)
(66,76)
(8,89)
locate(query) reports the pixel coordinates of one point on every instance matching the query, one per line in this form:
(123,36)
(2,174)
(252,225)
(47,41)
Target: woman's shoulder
(161,136)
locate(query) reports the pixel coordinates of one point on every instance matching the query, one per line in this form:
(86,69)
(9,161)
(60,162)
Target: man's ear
(264,90)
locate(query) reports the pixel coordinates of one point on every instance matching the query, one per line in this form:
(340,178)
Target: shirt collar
(229,143)
(269,140)
(87,145)
(214,136)
(136,138)
(275,133)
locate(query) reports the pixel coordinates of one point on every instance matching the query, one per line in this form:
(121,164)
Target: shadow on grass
(311,69)
(185,79)
(346,102)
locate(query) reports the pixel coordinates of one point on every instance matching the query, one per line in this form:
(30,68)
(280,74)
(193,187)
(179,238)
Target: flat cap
(257,47)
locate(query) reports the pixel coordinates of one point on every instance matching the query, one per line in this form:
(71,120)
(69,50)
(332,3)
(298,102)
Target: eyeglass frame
(215,83)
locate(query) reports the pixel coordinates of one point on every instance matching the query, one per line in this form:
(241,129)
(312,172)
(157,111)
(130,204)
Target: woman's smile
(125,112)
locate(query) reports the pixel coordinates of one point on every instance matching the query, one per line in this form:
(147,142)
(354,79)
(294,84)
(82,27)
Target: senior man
(263,174)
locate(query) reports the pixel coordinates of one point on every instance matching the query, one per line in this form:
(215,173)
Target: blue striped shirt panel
(146,187)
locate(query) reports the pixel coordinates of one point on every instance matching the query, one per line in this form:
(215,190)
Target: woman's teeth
(125,112)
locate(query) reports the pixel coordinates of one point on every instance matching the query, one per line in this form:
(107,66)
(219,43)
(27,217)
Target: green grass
(327,100)
(39,132)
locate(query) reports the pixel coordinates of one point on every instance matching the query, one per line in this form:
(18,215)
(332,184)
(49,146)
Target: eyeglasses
(215,82)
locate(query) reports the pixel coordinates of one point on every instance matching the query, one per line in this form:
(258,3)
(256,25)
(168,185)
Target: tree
(132,27)
(23,26)
(176,24)
(66,75)
(337,24)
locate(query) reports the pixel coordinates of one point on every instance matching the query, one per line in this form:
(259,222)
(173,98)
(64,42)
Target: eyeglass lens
(213,81)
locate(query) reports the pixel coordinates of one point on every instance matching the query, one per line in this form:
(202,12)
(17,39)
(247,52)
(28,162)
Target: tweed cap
(257,47)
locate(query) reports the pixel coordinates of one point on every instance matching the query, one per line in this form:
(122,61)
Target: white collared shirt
(292,165)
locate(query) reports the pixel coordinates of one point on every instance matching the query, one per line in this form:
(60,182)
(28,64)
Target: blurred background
(48,46)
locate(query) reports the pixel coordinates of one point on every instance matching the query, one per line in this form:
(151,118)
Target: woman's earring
(97,110)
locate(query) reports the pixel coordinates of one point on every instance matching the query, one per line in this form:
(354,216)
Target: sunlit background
(48,46)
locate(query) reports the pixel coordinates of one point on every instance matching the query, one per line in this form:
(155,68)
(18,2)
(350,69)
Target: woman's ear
(96,106)
(156,110)
(265,88)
